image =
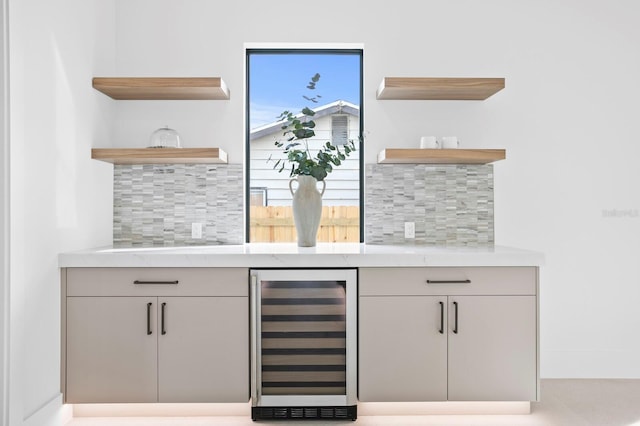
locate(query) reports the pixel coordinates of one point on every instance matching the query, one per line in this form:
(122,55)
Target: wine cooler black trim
(287,367)
(304,334)
(302,284)
(303,384)
(305,351)
(303,301)
(299,318)
(349,412)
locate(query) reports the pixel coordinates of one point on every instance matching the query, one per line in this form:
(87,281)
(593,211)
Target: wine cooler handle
(163,330)
(455,314)
(149,318)
(441,330)
(254,340)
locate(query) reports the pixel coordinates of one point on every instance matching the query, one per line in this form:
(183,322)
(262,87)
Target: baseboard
(161,410)
(443,408)
(67,414)
(52,413)
(244,409)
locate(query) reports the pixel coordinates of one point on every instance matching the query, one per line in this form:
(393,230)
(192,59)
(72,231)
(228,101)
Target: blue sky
(278,82)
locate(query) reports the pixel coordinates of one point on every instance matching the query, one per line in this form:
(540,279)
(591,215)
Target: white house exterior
(342,185)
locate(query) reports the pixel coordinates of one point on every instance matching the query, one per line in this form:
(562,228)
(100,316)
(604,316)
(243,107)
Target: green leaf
(291,145)
(318,172)
(303,133)
(301,128)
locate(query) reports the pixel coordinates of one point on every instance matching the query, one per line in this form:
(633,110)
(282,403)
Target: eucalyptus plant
(298,129)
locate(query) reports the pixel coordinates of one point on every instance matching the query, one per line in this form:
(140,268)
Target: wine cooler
(303,344)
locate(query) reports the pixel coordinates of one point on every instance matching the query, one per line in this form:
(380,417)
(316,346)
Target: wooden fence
(275,224)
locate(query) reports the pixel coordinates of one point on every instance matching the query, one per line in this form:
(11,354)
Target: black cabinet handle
(149,318)
(448,281)
(455,323)
(155,282)
(162,329)
(441,330)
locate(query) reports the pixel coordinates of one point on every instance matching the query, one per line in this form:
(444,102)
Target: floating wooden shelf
(162,88)
(440,156)
(160,155)
(426,88)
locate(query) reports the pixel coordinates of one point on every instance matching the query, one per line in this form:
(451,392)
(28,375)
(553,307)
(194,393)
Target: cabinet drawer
(448,281)
(157,282)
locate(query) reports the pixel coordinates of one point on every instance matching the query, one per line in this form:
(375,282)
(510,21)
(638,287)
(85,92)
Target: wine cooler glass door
(304,342)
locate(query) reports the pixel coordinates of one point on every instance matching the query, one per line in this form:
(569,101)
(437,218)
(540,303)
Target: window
(339,129)
(258,196)
(276,82)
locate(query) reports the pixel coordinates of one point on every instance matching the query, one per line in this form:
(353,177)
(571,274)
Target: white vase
(307,208)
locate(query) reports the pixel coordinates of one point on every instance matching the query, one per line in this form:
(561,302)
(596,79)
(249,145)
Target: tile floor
(609,402)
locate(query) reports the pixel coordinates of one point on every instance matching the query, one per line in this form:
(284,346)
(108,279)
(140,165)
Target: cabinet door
(402,353)
(204,351)
(492,357)
(110,355)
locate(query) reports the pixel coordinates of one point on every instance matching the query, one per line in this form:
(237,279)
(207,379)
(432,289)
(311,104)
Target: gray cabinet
(403,356)
(110,357)
(492,357)
(203,355)
(156,335)
(458,334)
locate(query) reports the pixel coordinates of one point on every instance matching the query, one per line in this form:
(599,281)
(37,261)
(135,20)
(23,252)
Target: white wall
(567,119)
(60,199)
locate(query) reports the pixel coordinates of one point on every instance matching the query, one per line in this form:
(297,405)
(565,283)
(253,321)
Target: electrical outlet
(409,229)
(196,231)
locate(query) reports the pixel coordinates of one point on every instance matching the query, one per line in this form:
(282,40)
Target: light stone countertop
(289,255)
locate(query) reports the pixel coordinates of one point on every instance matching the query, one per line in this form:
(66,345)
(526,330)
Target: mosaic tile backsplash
(155,205)
(451,205)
